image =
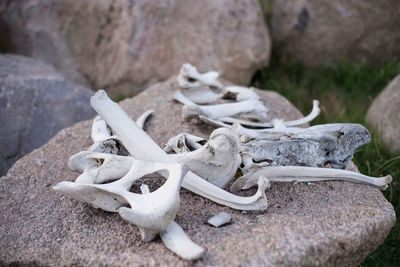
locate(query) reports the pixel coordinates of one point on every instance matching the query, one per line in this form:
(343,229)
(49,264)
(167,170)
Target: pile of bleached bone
(275,151)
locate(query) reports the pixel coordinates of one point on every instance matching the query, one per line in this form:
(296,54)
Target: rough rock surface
(330,223)
(384,115)
(321,31)
(123,46)
(35,103)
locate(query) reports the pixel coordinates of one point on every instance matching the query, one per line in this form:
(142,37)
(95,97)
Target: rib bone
(141,146)
(307,174)
(228,121)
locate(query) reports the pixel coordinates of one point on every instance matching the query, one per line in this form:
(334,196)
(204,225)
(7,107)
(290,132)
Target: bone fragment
(217,161)
(240,93)
(189,77)
(142,118)
(315,146)
(175,239)
(228,121)
(141,146)
(203,95)
(307,174)
(209,95)
(101,135)
(98,167)
(220,219)
(184,142)
(313,114)
(250,109)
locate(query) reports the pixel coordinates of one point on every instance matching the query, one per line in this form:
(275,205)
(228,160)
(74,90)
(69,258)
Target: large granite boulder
(330,223)
(321,31)
(123,46)
(384,115)
(35,103)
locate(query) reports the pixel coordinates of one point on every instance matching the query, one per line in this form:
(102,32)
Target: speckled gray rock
(123,46)
(384,115)
(35,103)
(330,223)
(323,31)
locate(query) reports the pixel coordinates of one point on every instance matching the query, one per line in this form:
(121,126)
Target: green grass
(345,92)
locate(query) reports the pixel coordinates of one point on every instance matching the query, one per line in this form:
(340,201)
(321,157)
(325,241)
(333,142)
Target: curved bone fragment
(141,146)
(313,114)
(151,212)
(228,121)
(220,219)
(307,174)
(175,239)
(217,161)
(250,109)
(315,146)
(184,142)
(189,77)
(142,118)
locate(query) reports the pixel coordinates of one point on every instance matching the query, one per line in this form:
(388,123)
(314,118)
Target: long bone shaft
(141,146)
(307,174)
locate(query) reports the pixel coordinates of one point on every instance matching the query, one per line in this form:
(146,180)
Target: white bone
(141,146)
(307,174)
(100,131)
(98,168)
(249,109)
(228,121)
(101,135)
(313,114)
(189,77)
(220,219)
(151,212)
(240,93)
(177,241)
(142,118)
(202,95)
(217,161)
(183,142)
(144,188)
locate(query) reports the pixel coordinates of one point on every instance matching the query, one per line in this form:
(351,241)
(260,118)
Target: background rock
(123,46)
(384,115)
(321,31)
(35,103)
(330,223)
